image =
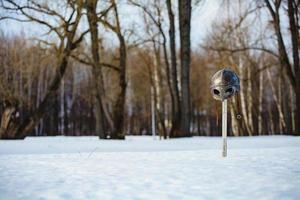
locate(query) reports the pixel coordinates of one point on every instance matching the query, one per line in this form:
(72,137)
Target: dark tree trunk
(184,27)
(97,73)
(294,23)
(118,128)
(158,97)
(297,116)
(119,108)
(176,112)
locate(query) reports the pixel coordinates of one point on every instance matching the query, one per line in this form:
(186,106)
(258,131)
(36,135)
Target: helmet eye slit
(229,90)
(216,92)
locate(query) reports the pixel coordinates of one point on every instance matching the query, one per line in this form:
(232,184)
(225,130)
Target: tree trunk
(62,108)
(260,104)
(247,129)
(279,95)
(294,23)
(119,107)
(297,115)
(271,121)
(97,73)
(278,104)
(9,123)
(176,112)
(184,27)
(250,101)
(234,121)
(159,96)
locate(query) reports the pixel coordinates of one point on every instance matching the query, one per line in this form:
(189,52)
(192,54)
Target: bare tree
(119,107)
(156,19)
(292,69)
(66,32)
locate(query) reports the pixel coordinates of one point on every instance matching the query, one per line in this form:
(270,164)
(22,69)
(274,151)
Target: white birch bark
(260,106)
(153,125)
(278,105)
(242,95)
(250,101)
(281,128)
(234,122)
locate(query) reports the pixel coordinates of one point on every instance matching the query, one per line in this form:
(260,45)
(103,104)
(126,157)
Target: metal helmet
(224,84)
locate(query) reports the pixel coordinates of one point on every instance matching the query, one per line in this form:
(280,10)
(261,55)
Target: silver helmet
(224,84)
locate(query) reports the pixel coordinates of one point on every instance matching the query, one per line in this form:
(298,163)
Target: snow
(143,168)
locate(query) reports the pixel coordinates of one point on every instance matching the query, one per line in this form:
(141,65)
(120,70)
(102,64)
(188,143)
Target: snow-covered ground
(143,168)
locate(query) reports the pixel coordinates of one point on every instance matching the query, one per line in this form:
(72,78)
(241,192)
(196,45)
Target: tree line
(69,81)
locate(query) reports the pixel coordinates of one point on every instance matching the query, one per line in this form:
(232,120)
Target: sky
(203,16)
(202,19)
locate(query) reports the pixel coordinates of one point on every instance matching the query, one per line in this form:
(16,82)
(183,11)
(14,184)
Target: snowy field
(143,168)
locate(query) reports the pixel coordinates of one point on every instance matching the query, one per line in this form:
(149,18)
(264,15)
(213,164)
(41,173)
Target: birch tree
(291,67)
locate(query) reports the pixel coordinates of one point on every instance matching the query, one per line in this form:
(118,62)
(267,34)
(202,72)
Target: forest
(112,68)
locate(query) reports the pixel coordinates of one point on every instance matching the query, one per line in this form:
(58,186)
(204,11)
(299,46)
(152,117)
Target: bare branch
(30,18)
(110,66)
(89,63)
(76,42)
(241,49)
